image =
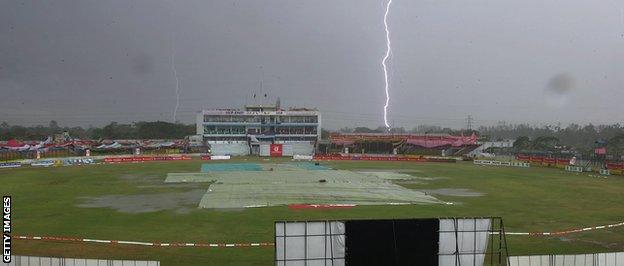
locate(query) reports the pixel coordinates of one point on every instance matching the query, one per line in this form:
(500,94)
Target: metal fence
(592,259)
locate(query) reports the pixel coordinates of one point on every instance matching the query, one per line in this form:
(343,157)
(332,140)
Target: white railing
(572,168)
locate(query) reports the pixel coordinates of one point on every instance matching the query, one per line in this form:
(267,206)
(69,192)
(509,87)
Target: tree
(119,131)
(346,130)
(114,130)
(545,143)
(95,133)
(615,145)
(364,130)
(522,143)
(53,124)
(163,130)
(325,133)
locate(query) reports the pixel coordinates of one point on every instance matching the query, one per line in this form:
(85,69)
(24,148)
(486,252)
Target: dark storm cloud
(90,62)
(560,83)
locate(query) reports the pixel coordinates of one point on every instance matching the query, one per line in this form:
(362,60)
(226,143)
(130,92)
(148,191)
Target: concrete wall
(231,148)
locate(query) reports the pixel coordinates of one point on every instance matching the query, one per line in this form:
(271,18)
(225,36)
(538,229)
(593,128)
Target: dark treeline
(114,130)
(583,138)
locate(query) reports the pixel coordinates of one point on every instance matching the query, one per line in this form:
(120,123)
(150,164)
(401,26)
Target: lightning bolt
(385,67)
(177,90)
(173,62)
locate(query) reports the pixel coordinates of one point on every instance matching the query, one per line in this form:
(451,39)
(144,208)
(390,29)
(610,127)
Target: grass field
(47,202)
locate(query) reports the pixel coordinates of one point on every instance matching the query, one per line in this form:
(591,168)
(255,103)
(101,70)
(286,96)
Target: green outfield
(132,202)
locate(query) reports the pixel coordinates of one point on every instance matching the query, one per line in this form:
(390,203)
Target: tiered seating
(422,140)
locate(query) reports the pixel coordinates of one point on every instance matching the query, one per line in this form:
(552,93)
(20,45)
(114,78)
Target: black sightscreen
(392,242)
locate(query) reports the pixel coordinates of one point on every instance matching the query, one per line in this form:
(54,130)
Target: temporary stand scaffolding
(440,241)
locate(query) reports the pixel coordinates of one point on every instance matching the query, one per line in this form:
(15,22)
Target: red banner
(536,159)
(276,150)
(145,159)
(337,157)
(550,160)
(561,161)
(541,159)
(615,166)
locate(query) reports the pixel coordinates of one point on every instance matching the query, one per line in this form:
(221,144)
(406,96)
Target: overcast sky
(89,62)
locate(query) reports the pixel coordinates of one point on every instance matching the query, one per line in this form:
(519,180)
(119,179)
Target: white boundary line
(269,244)
(213,245)
(565,232)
